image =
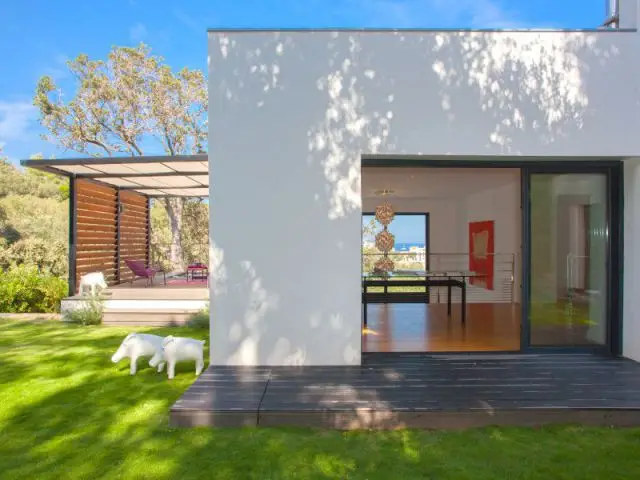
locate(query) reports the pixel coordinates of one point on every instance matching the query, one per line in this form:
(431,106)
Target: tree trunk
(174,207)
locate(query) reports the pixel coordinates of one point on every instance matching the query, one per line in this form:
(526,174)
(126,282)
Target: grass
(67,412)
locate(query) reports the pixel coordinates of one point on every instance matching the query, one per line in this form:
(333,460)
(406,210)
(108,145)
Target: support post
(73,234)
(118,246)
(149,231)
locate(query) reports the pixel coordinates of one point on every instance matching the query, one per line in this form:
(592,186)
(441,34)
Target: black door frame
(612,171)
(611,167)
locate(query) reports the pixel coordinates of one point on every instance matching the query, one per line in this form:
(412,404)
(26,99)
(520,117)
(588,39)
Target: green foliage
(200,319)
(33,220)
(34,230)
(194,233)
(32,183)
(24,290)
(49,257)
(90,313)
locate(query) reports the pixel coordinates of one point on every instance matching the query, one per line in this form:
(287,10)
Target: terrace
(110,223)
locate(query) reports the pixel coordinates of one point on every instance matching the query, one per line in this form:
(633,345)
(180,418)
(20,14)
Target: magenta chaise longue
(141,270)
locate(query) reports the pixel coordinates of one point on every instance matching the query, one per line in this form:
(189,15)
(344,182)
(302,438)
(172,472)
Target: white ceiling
(432,182)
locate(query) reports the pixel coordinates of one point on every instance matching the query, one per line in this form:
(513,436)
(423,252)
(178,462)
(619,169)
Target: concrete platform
(140,305)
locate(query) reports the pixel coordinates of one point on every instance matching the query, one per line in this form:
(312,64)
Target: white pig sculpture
(136,345)
(179,349)
(93,280)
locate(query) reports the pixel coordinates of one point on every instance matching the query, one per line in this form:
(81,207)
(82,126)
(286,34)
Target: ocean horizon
(406,246)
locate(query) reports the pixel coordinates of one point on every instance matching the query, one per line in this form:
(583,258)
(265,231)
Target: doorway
(456,255)
(565,275)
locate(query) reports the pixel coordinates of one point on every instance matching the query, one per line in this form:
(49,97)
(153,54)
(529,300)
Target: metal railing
(504,275)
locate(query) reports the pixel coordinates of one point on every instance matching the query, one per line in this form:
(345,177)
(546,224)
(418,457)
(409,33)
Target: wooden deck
(156,305)
(419,391)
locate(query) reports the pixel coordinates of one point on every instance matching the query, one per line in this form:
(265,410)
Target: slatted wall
(102,236)
(133,231)
(96,230)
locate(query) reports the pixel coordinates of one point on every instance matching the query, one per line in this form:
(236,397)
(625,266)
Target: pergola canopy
(153,176)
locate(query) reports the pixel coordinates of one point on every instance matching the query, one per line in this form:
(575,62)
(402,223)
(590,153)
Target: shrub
(89,314)
(24,290)
(200,319)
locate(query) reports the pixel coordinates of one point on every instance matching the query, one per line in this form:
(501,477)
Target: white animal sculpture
(179,349)
(136,345)
(92,280)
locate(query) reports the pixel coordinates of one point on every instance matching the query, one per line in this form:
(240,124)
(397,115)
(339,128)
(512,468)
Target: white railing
(504,278)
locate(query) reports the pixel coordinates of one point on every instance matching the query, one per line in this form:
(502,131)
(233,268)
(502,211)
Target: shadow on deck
(419,391)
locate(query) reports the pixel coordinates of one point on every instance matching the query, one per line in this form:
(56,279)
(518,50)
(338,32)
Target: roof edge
(418,30)
(35,163)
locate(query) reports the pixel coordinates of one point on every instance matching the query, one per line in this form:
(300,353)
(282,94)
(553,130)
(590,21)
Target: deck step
(151,319)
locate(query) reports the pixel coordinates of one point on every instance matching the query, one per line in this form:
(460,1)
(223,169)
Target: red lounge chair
(141,270)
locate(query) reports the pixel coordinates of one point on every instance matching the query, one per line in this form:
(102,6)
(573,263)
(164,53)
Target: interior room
(459,222)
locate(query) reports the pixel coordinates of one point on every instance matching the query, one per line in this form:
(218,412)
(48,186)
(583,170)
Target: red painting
(481,253)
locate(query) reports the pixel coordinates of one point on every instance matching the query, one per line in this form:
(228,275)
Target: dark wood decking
(421,391)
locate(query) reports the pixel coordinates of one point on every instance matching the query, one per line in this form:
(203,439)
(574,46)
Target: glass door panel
(568,268)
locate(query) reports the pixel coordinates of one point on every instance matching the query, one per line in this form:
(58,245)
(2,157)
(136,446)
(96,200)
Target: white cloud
(138,32)
(15,120)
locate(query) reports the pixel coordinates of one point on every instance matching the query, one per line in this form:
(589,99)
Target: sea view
(406,246)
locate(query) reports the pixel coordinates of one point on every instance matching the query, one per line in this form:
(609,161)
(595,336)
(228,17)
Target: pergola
(110,206)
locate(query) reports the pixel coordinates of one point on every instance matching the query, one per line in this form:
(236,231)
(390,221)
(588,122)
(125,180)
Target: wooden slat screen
(97,230)
(133,231)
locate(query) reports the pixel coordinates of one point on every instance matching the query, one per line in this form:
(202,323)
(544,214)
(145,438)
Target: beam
(148,231)
(144,187)
(118,213)
(114,160)
(173,173)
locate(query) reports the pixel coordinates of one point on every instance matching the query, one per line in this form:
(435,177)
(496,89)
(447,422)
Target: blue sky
(38,37)
(406,228)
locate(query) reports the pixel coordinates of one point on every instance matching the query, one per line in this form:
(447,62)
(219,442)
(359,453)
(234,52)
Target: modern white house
(298,117)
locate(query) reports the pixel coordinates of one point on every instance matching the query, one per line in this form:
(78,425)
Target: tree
(33,220)
(123,104)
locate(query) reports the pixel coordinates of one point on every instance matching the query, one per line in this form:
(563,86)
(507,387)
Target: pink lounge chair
(141,270)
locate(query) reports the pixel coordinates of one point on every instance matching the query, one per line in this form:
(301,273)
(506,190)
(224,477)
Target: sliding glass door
(569,274)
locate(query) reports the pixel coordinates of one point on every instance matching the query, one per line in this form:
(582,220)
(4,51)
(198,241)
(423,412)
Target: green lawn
(67,412)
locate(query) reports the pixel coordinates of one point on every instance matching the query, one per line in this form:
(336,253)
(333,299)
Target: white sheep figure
(136,345)
(92,280)
(179,349)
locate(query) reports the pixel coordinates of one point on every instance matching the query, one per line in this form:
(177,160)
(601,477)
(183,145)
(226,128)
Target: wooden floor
(416,327)
(420,391)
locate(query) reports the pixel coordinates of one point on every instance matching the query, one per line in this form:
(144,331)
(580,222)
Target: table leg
(449,300)
(365,311)
(464,302)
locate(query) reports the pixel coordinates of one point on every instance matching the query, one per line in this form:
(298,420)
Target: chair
(141,270)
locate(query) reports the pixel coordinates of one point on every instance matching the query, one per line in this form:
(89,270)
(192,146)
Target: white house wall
(291,113)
